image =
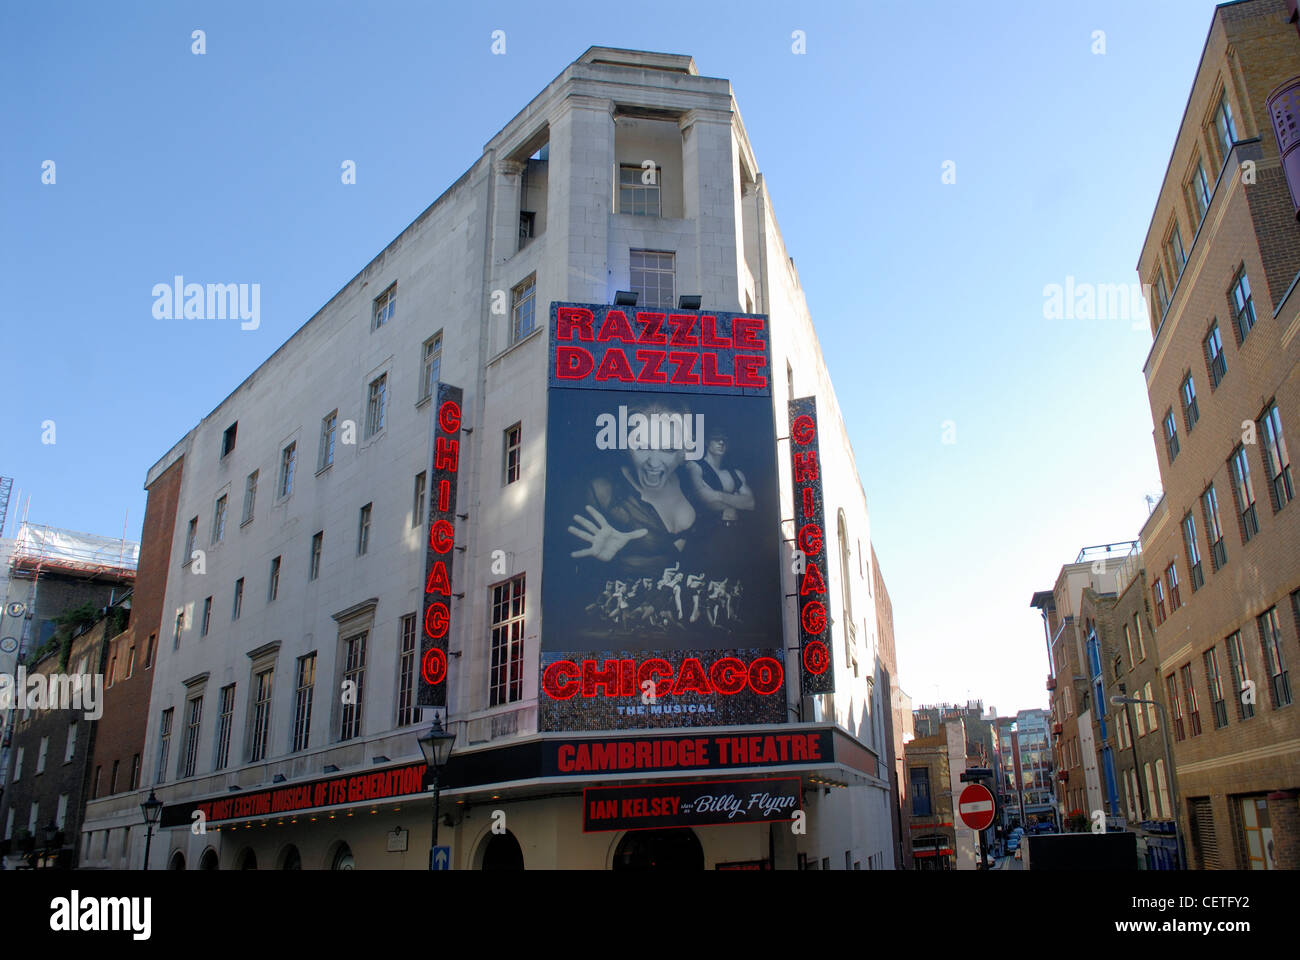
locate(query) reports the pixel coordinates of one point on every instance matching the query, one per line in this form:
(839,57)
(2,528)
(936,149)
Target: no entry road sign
(975,806)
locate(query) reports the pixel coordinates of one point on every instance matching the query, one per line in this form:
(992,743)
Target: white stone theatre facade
(563,467)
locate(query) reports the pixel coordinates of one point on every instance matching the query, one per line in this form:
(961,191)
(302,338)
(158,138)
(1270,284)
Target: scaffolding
(42,548)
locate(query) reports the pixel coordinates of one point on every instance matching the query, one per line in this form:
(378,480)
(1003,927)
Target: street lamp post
(436,746)
(1169,768)
(152,809)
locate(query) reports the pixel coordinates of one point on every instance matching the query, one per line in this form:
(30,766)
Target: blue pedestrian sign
(440,858)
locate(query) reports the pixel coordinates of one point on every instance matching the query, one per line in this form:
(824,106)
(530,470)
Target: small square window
(363,530)
(523,309)
(514,440)
(639,190)
(384,308)
(228,438)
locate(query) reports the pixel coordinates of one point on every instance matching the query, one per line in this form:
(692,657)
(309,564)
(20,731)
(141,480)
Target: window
(191,534)
(417,501)
(1139,714)
(1270,637)
(635,196)
(431,366)
(1198,188)
(1150,694)
(262,714)
(1162,294)
(40,756)
(1171,435)
(1243,306)
(224,723)
(363,530)
(1162,786)
(1128,644)
(219,520)
(18,764)
(148,655)
(71,748)
(179,629)
(1175,708)
(512,448)
(1214,360)
(1137,633)
(164,742)
(1191,413)
(527,226)
(61,814)
(1215,684)
(506,683)
(313,566)
(1240,676)
(1277,463)
(130,661)
(135,773)
(523,311)
(191,738)
(652,277)
(1158,592)
(250,497)
(1189,700)
(1213,528)
(328,428)
(376,404)
(407,712)
(384,307)
(1257,831)
(1224,128)
(1174,249)
(1244,493)
(228,438)
(354,670)
(288,458)
(239,599)
(920,777)
(273,587)
(302,702)
(1193,552)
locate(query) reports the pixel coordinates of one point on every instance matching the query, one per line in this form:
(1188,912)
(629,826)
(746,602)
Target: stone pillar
(709,198)
(580,191)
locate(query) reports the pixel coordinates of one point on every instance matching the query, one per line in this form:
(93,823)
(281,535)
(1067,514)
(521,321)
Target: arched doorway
(177,861)
(247,860)
(290,859)
(659,850)
(501,851)
(209,860)
(343,858)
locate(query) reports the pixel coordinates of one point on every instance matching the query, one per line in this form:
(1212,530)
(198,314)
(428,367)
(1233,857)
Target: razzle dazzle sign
(816,675)
(440,546)
(662,593)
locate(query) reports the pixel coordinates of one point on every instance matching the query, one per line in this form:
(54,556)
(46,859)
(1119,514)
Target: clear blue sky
(928,296)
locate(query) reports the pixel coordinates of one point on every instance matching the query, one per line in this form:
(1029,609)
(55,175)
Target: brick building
(896,723)
(1222,256)
(113,801)
(49,773)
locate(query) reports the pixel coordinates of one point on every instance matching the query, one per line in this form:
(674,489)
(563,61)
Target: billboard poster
(661,591)
(654,806)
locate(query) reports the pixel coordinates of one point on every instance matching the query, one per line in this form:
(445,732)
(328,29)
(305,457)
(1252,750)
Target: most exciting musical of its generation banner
(662,592)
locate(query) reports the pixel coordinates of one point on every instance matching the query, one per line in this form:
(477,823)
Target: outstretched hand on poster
(605,540)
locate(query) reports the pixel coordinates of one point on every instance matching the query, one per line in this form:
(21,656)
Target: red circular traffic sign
(975,806)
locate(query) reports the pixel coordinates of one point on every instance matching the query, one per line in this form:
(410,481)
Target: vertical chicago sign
(816,675)
(661,598)
(440,548)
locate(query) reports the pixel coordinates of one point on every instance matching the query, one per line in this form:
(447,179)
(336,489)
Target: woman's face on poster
(654,468)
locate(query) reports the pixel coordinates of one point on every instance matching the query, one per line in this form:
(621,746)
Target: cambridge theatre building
(562,467)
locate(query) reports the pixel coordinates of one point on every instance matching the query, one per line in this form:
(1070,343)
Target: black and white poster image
(667,533)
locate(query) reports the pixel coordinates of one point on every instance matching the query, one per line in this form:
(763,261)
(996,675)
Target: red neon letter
(728,675)
(436,619)
(803,429)
(449,417)
(572,363)
(805,466)
(569,319)
(810,539)
(446,454)
(765,676)
(813,617)
(438,581)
